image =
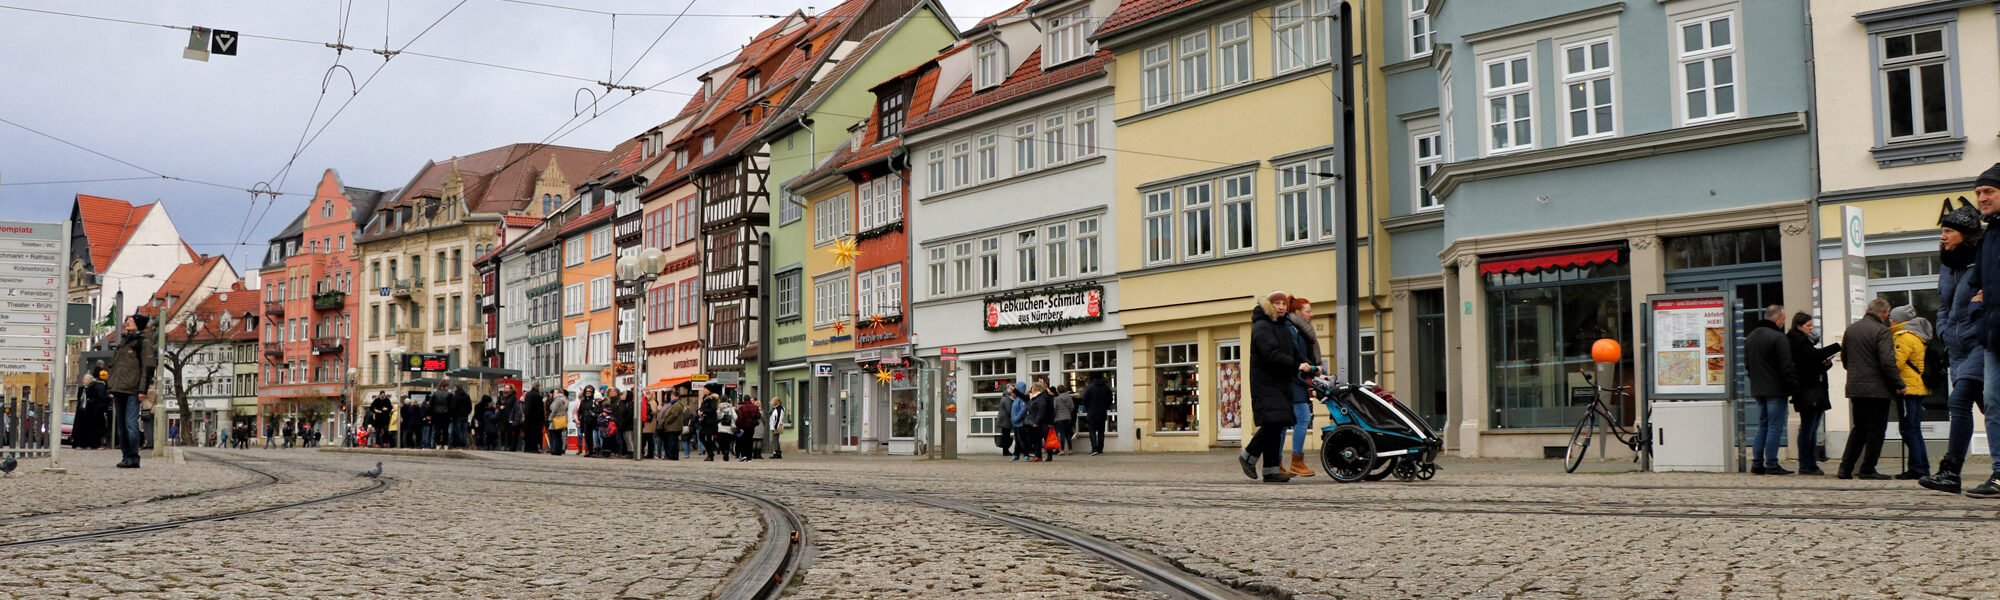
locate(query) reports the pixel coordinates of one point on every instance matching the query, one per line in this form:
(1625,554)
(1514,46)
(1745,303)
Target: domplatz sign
(1054,308)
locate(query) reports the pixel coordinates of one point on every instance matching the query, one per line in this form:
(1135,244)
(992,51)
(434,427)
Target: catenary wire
(115,159)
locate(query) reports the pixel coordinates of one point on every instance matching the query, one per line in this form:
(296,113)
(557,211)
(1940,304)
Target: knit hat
(1990,177)
(141,320)
(1902,313)
(713,388)
(1966,219)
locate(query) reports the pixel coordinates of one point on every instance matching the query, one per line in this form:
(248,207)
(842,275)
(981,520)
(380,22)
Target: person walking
(1097,405)
(669,417)
(1811,399)
(132,366)
(775,428)
(558,420)
(1299,316)
(1065,416)
(1958,246)
(1913,338)
(1869,351)
(1274,367)
(1003,423)
(748,416)
(1767,356)
(1023,419)
(1985,275)
(725,428)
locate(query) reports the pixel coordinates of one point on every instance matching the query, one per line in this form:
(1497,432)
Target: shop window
(1721,249)
(1540,328)
(990,379)
(1229,385)
(1080,367)
(1178,382)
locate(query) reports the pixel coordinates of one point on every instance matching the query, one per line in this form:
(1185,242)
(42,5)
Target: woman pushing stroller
(1276,359)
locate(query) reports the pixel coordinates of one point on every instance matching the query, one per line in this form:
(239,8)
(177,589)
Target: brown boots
(1298,467)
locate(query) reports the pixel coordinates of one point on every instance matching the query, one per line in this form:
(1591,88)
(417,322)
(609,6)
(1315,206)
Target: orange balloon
(1607,350)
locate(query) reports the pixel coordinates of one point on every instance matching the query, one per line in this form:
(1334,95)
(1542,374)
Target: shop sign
(822,369)
(874,337)
(1048,309)
(687,364)
(832,340)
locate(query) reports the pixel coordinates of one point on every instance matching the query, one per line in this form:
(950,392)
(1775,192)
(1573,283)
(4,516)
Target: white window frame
(1027,257)
(1295,203)
(1156,77)
(990,272)
(600,293)
(573,299)
(1055,252)
(1232,44)
(962,275)
(936,268)
(1197,220)
(1083,131)
(1089,246)
(990,64)
(1068,38)
(600,243)
(1193,62)
(1707,57)
(1512,92)
(1288,38)
(986,156)
(573,250)
(792,209)
(934,168)
(961,163)
(1422,166)
(832,297)
(1588,77)
(1915,63)
(1024,147)
(1239,213)
(830,220)
(1055,130)
(1158,228)
(787,295)
(1419,28)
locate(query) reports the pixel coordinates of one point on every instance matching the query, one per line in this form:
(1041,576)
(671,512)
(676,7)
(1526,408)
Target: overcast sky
(125,91)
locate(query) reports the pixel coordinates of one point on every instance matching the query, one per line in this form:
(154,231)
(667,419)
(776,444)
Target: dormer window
(890,118)
(991,62)
(681,158)
(1068,38)
(755,82)
(707,144)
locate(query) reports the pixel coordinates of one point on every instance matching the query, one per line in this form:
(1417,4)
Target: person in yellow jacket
(1911,334)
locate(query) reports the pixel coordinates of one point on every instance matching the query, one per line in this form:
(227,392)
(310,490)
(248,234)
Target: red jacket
(747,416)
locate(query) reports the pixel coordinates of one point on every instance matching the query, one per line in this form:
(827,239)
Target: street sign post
(33,304)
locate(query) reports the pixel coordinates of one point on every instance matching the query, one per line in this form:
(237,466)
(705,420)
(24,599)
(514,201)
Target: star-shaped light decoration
(899,376)
(884,376)
(844,252)
(839,327)
(877,320)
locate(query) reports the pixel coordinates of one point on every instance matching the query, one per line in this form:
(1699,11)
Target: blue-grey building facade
(1559,160)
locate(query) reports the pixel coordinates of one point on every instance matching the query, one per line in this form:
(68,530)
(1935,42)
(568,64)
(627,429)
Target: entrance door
(851,402)
(1429,394)
(1229,391)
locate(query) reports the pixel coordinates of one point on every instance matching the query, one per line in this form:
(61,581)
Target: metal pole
(1350,264)
(159,407)
(639,387)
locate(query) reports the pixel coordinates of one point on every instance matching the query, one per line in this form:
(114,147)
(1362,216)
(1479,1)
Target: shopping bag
(1054,442)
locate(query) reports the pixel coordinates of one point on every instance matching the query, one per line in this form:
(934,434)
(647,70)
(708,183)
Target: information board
(32,306)
(1689,353)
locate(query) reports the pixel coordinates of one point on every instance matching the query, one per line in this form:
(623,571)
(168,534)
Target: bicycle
(1640,441)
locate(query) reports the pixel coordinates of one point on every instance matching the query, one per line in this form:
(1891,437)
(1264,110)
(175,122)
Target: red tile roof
(502,179)
(108,223)
(241,306)
(1026,80)
(520,220)
(1135,12)
(1004,14)
(183,283)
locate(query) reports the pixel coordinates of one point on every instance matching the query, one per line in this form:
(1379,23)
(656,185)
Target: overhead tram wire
(156,174)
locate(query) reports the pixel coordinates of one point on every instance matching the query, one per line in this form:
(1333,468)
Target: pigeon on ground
(372,473)
(7,466)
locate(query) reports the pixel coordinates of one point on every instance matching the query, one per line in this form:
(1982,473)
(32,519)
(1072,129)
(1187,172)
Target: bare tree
(190,364)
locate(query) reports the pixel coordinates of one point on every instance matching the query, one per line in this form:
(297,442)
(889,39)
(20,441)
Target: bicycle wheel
(1579,442)
(1347,454)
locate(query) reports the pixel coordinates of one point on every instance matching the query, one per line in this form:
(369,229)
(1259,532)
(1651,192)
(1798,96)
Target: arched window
(547,206)
(326,210)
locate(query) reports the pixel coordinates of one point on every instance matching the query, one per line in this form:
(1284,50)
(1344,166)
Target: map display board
(1691,345)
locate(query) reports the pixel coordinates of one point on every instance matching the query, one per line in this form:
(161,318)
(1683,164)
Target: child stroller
(1372,435)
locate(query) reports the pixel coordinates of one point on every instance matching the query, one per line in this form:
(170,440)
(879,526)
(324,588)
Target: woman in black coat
(1812,398)
(586,420)
(1275,364)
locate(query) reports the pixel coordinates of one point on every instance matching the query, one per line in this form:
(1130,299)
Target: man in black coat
(1275,364)
(379,413)
(460,416)
(132,365)
(1767,356)
(1097,410)
(531,420)
(1869,351)
(1985,273)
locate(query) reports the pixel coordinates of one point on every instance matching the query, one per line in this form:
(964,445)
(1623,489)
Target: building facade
(312,297)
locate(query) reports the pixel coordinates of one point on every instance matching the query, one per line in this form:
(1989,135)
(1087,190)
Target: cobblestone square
(501,525)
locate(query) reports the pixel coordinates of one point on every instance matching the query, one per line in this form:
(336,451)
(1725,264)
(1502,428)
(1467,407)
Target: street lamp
(640,271)
(353,405)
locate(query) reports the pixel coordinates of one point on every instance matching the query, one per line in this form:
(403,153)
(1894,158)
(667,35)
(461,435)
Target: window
(326,210)
(600,293)
(1160,227)
(1053,134)
(573,300)
(1294,205)
(1194,65)
(1301,39)
(1068,38)
(1198,220)
(1707,68)
(990,380)
(375,274)
(961,267)
(791,210)
(438,272)
(881,201)
(831,300)
(660,308)
(1914,67)
(1175,366)
(1420,29)
(1233,44)
(961,163)
(1369,368)
(1239,214)
(1084,126)
(889,119)
(754,83)
(690,298)
(881,291)
(1088,259)
(437,322)
(1587,90)
(1156,77)
(573,251)
(1510,108)
(600,243)
(1427,154)
(830,220)
(457,264)
(1323,193)
(686,220)
(573,350)
(991,68)
(935,267)
(457,312)
(986,157)
(935,170)
(1025,263)
(1024,147)
(375,321)
(600,348)
(787,295)
(1055,250)
(707,144)
(989,263)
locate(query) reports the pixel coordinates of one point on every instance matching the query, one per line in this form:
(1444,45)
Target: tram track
(264,478)
(378,486)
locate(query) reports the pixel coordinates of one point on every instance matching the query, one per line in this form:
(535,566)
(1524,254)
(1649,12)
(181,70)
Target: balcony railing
(334,300)
(408,287)
(273,349)
(328,345)
(274,308)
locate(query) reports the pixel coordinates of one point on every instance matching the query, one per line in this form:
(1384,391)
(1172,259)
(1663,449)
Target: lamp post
(353,404)
(640,271)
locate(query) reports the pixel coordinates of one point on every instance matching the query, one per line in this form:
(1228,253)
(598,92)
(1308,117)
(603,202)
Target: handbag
(561,422)
(1054,442)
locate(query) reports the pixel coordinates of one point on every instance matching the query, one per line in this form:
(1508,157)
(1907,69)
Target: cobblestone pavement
(531,526)
(94,481)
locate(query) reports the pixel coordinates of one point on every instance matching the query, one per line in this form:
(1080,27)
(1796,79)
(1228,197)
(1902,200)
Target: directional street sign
(31,297)
(222,42)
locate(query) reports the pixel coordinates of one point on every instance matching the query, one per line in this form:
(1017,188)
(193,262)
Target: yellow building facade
(827,305)
(1234,104)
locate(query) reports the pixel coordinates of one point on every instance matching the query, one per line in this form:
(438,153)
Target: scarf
(1960,257)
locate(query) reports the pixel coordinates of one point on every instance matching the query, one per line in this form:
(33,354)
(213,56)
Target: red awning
(1551,260)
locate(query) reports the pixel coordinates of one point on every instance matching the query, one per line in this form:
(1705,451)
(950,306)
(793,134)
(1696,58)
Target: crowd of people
(607,422)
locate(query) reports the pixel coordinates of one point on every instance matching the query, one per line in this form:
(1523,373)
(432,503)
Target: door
(1229,391)
(1428,397)
(851,403)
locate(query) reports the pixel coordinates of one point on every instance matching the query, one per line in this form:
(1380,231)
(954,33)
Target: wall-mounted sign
(822,369)
(832,340)
(415,362)
(1049,308)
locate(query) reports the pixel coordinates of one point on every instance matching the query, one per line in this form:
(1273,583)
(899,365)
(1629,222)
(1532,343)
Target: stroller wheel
(1427,471)
(1382,470)
(1348,454)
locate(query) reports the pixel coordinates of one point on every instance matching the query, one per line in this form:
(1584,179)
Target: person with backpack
(1958,245)
(1773,377)
(1922,361)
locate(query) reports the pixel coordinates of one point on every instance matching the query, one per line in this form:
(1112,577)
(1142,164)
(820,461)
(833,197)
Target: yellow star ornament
(884,376)
(844,252)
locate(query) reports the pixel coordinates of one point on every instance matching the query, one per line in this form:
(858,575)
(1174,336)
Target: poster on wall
(1690,346)
(1054,308)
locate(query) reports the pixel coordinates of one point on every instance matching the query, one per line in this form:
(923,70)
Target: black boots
(1946,478)
(1990,489)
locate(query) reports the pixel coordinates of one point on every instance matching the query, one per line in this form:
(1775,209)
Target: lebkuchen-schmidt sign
(1053,308)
